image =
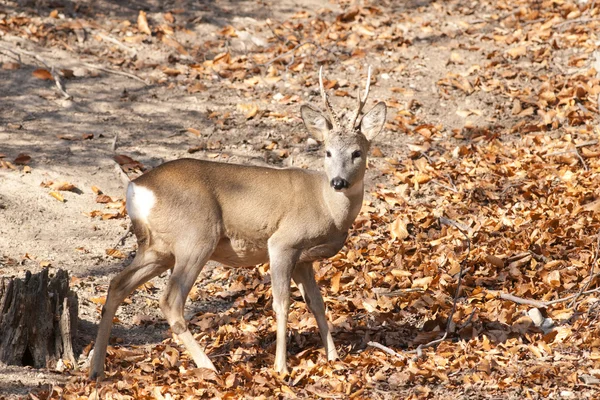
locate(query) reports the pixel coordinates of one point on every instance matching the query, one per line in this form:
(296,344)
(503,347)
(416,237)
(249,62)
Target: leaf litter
(520,178)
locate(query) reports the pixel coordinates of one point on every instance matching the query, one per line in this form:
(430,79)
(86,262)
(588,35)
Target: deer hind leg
(304,276)
(146,265)
(187,268)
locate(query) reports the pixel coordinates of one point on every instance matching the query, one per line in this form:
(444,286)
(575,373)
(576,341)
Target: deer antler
(361,102)
(332,116)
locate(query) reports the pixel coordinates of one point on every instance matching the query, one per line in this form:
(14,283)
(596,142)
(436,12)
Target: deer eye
(328,153)
(356,154)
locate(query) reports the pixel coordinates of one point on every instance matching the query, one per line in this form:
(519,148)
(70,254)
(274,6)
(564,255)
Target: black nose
(339,183)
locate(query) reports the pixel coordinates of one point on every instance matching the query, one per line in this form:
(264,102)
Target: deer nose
(339,183)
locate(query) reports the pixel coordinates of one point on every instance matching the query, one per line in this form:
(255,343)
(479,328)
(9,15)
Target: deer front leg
(304,276)
(282,264)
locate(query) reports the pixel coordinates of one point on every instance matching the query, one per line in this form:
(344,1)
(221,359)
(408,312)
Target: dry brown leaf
(169,41)
(335,282)
(142,23)
(10,66)
(62,186)
(98,300)
(43,74)
(398,229)
(57,196)
(194,131)
(250,110)
(115,253)
(22,159)
(517,52)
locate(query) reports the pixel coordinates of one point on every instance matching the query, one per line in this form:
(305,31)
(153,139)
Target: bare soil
(152,121)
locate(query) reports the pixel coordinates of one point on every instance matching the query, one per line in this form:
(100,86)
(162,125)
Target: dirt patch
(442,69)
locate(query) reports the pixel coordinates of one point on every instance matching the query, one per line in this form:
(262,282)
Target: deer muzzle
(339,183)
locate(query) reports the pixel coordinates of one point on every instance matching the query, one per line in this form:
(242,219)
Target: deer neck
(343,206)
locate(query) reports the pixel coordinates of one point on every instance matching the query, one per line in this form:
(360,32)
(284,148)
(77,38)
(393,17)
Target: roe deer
(186,212)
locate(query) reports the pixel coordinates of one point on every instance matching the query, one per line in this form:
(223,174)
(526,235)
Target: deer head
(346,141)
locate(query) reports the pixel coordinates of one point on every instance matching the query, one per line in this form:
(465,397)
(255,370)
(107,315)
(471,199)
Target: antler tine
(332,116)
(363,101)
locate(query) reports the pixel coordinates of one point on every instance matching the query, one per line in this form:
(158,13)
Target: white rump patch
(140,201)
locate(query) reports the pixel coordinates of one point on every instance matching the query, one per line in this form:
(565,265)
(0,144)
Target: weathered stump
(38,317)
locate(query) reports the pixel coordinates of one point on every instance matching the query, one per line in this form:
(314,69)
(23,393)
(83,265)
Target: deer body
(186,212)
(238,205)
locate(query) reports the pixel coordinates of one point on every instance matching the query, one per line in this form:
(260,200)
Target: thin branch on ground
(49,67)
(573,304)
(121,241)
(577,146)
(540,303)
(107,38)
(575,21)
(574,297)
(385,349)
(112,71)
(396,292)
(581,160)
(444,186)
(460,227)
(293,50)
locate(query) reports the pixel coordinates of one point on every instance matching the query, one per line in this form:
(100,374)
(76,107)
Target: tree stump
(38,317)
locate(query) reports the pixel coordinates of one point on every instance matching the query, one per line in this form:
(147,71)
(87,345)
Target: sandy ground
(37,231)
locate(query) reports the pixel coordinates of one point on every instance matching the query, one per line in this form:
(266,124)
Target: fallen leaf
(57,196)
(10,66)
(398,229)
(43,74)
(142,23)
(115,253)
(22,159)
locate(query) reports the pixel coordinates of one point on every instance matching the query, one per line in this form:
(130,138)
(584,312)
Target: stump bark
(38,317)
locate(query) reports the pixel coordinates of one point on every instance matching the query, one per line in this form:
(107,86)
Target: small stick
(121,241)
(577,146)
(56,77)
(397,291)
(293,50)
(578,154)
(385,349)
(117,42)
(112,71)
(576,20)
(444,186)
(446,221)
(591,274)
(543,304)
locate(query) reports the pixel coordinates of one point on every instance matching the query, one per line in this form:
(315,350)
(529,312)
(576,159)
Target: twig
(385,349)
(121,241)
(293,50)
(17,55)
(578,154)
(397,291)
(55,76)
(447,221)
(573,303)
(543,304)
(444,186)
(112,71)
(115,41)
(576,20)
(512,185)
(577,146)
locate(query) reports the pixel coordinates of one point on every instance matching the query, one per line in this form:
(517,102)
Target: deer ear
(373,121)
(317,124)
